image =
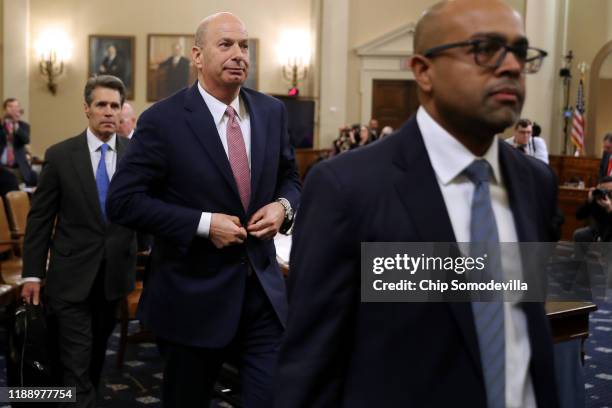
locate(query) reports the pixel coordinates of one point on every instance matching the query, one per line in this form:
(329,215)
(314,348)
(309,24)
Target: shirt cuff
(31,279)
(204,225)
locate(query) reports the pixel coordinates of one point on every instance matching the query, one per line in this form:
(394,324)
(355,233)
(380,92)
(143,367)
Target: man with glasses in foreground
(443,177)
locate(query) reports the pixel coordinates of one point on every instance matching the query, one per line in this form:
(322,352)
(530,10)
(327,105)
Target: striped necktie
(488,316)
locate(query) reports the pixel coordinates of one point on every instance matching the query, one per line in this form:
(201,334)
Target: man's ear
(86,108)
(197,56)
(421,68)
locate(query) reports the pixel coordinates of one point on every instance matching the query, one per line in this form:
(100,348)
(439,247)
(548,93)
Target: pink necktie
(238,157)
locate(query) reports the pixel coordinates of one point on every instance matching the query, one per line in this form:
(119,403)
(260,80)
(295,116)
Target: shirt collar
(218,108)
(447,155)
(94,143)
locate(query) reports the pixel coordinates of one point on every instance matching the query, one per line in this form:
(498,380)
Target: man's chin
(503,118)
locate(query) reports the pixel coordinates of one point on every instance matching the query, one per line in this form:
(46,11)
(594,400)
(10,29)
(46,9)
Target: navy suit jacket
(340,352)
(176,168)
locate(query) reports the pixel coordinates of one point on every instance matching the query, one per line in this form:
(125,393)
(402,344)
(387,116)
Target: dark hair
(606,179)
(537,130)
(523,123)
(7,101)
(608,137)
(103,81)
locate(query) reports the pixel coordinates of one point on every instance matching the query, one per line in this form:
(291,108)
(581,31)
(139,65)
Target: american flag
(578,121)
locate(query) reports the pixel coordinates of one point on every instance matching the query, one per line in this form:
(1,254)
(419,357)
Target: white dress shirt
(536,147)
(217,110)
(94,144)
(449,158)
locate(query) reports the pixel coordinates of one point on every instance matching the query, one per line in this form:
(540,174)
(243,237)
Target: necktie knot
(231,114)
(104,149)
(479,171)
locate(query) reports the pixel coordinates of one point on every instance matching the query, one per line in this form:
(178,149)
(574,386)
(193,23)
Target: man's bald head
(127,120)
(470,99)
(436,22)
(212,21)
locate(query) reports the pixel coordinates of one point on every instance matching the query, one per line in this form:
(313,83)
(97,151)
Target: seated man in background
(526,142)
(599,208)
(14,136)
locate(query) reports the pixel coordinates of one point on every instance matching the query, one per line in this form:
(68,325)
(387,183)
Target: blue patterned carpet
(139,382)
(598,360)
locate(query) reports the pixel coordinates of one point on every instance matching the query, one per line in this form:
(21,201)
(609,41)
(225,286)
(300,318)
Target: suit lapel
(258,118)
(202,124)
(81,160)
(414,175)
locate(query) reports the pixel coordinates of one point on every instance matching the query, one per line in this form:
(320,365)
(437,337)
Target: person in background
(386,131)
(598,208)
(14,136)
(127,121)
(91,262)
(374,130)
(524,141)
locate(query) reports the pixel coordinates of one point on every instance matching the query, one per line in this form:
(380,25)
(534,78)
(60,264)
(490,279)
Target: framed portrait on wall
(113,55)
(169,66)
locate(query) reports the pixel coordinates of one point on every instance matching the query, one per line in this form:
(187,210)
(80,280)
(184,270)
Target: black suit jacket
(340,352)
(20,138)
(81,241)
(603,166)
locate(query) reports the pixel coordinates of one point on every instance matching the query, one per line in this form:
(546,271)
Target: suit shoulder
(64,146)
(262,98)
(541,171)
(366,166)
(161,108)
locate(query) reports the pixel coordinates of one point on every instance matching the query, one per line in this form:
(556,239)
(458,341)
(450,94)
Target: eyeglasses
(490,53)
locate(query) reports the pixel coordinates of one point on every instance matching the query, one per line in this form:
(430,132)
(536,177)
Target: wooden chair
(127,312)
(10,264)
(17,208)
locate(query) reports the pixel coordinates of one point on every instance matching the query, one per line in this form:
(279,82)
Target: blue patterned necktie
(488,316)
(102,180)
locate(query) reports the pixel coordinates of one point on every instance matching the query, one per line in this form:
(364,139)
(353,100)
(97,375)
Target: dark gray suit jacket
(82,241)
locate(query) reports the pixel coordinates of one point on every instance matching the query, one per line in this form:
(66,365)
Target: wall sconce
(53,50)
(294,57)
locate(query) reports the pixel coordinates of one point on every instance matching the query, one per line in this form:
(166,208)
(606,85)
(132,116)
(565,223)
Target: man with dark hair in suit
(442,177)
(175,71)
(211,174)
(605,168)
(92,261)
(14,136)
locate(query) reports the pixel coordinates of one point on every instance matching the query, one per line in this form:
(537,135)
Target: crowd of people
(357,135)
(214,292)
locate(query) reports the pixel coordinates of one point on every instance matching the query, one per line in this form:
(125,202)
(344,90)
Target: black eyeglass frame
(431,52)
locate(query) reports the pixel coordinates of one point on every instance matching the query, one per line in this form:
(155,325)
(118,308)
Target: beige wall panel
(371,19)
(588,32)
(604,116)
(56,117)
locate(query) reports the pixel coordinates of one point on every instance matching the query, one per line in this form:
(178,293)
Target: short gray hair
(103,81)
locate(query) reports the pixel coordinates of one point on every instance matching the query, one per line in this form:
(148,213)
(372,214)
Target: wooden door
(393,101)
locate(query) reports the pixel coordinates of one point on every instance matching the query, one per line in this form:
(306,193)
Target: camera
(600,193)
